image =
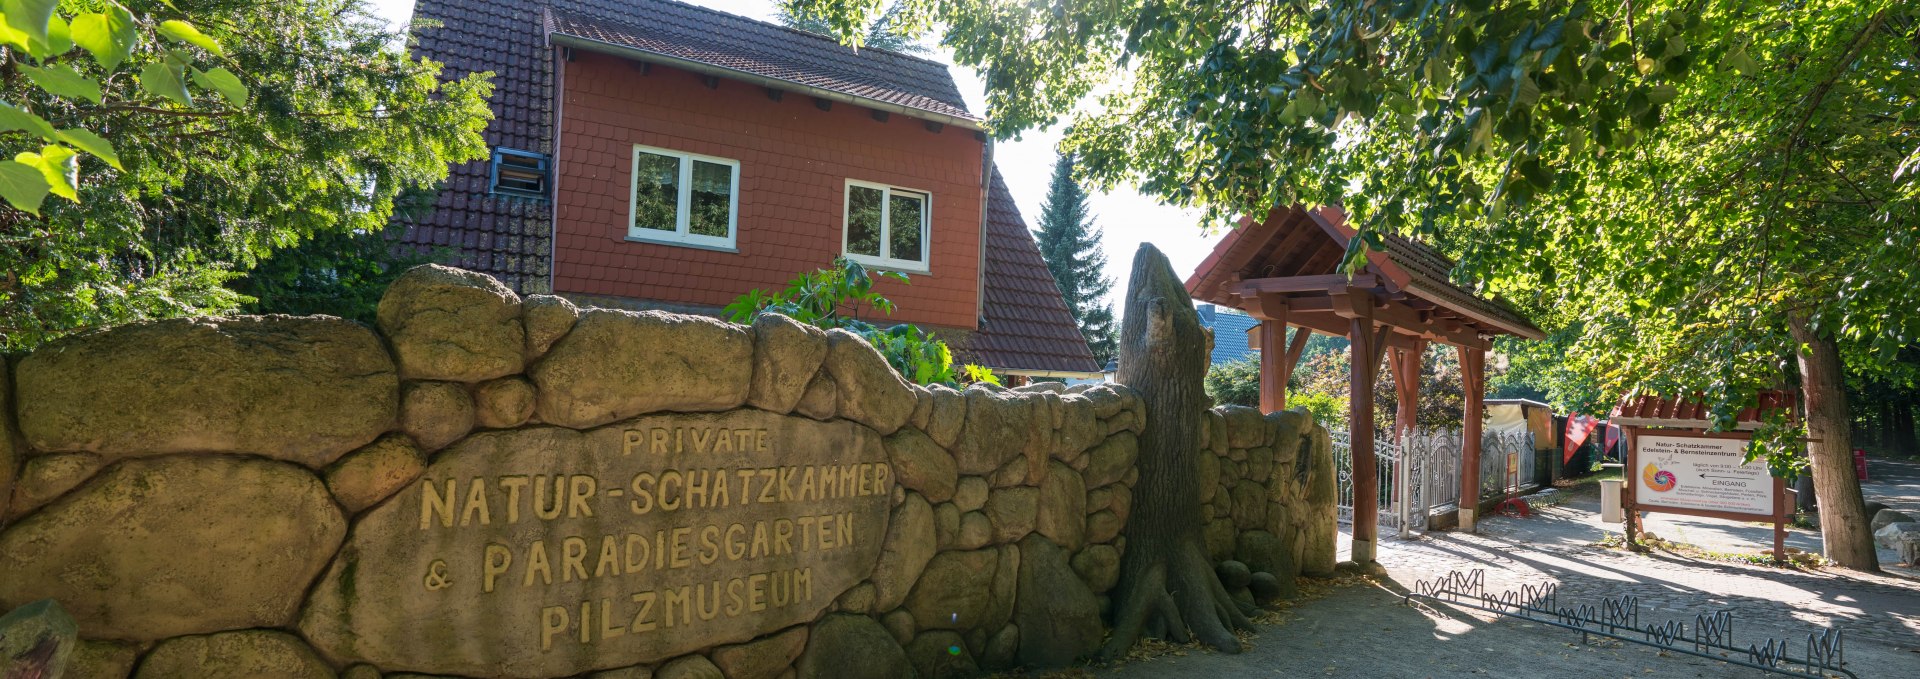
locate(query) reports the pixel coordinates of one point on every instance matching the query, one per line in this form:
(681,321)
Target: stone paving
(1365,632)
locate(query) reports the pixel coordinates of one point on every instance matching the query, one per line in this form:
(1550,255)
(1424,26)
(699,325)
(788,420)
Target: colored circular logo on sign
(1657,479)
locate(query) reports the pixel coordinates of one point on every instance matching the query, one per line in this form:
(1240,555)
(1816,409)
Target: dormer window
(887,226)
(518,173)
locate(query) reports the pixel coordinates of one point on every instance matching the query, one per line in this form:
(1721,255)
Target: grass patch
(1796,558)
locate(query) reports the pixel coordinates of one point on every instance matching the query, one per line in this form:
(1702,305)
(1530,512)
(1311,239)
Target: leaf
(62,80)
(1739,62)
(1662,93)
(223,81)
(59,38)
(23,186)
(13,118)
(109,35)
(57,165)
(1548,35)
(91,143)
(30,18)
(185,32)
(164,78)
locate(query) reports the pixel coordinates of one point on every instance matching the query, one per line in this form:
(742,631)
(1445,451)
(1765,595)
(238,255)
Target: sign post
(1701,474)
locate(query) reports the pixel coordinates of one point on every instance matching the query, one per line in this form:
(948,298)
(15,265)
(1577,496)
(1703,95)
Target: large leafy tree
(225,130)
(1720,195)
(886,31)
(1070,243)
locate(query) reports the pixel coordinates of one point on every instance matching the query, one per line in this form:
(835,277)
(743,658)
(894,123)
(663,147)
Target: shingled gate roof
(1024,324)
(1297,242)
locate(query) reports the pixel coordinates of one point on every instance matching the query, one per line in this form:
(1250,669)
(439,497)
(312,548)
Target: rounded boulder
(302,389)
(162,547)
(453,324)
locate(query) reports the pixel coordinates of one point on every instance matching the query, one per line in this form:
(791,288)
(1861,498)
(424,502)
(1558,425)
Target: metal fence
(1420,474)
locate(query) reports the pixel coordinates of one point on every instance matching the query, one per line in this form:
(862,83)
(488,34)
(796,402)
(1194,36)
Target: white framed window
(887,226)
(683,199)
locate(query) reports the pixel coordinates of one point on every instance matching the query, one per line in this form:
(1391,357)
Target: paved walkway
(1365,632)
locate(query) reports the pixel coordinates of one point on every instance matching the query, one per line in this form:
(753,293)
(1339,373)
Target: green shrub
(1328,410)
(1235,382)
(831,298)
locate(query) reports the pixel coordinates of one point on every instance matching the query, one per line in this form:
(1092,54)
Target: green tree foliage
(1321,382)
(1071,245)
(1690,183)
(885,31)
(220,132)
(335,273)
(1536,139)
(834,297)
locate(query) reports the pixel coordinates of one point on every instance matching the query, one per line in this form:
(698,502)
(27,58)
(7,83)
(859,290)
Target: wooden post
(1366,470)
(1271,310)
(1782,513)
(1627,511)
(1473,373)
(1275,369)
(1406,382)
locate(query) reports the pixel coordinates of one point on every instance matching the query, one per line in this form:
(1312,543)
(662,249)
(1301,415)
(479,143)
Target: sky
(1127,217)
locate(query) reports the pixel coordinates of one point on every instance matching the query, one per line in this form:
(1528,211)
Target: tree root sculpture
(1167,586)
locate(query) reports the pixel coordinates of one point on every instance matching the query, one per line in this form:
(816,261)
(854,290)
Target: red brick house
(657,155)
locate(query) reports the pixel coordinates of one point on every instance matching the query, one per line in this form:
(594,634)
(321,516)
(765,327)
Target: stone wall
(490,486)
(1272,504)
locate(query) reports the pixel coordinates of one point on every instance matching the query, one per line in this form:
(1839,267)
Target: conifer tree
(1071,245)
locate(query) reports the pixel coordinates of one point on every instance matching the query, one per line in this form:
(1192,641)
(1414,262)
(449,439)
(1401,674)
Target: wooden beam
(1301,284)
(1265,307)
(1297,348)
(1350,302)
(1379,345)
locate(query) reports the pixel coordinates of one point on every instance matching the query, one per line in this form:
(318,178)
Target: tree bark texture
(1167,584)
(1844,530)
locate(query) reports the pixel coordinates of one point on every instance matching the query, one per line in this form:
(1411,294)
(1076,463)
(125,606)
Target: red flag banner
(1613,434)
(1579,427)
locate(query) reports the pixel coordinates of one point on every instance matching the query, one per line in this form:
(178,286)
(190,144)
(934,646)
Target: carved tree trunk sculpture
(1167,585)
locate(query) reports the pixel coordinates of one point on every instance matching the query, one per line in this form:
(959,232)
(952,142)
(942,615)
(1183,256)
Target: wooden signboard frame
(1782,503)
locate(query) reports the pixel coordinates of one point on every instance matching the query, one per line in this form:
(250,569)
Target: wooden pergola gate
(1283,271)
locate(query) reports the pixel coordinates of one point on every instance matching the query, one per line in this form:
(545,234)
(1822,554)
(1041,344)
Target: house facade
(1232,328)
(656,155)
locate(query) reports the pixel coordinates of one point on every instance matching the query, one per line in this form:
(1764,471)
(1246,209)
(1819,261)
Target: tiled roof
(510,238)
(1025,324)
(1646,409)
(755,48)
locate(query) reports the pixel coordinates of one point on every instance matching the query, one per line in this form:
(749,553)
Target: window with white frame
(684,198)
(887,226)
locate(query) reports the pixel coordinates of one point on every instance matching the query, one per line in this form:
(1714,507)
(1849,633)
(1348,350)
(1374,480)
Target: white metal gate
(1420,474)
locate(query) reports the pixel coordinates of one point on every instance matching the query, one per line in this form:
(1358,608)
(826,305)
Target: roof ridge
(774,24)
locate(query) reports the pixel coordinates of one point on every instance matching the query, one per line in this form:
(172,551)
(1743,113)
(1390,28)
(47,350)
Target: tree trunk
(1166,582)
(1844,529)
(1903,440)
(1889,438)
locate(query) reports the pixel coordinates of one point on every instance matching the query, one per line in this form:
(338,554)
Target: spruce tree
(1071,245)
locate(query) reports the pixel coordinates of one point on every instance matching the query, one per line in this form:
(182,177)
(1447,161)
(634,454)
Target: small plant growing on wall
(833,298)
